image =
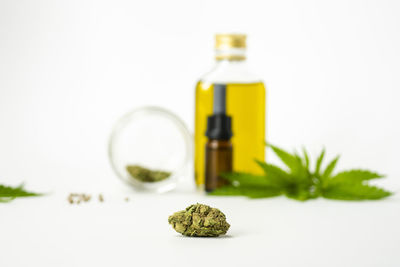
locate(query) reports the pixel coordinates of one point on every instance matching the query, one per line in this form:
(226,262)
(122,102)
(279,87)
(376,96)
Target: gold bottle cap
(230,42)
(223,41)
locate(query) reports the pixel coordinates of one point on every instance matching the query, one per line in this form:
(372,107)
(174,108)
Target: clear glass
(154,138)
(230,71)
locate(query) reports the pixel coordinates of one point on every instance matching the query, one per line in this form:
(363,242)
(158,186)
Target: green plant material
(199,220)
(299,182)
(8,193)
(146,175)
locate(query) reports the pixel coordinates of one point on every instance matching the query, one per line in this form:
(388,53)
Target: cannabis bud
(146,175)
(199,220)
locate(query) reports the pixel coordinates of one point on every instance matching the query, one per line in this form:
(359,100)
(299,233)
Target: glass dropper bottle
(219,149)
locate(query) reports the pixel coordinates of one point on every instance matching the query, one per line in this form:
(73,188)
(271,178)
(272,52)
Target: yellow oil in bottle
(245,103)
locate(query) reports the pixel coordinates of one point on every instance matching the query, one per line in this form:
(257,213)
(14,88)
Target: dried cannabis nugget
(199,220)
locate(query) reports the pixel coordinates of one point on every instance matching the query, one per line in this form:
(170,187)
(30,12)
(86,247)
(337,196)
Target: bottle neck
(230,54)
(234,65)
(230,68)
(230,71)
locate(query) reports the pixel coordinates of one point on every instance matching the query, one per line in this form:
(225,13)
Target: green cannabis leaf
(8,193)
(298,182)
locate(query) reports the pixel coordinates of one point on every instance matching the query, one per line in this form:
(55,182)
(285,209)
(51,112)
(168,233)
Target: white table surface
(48,231)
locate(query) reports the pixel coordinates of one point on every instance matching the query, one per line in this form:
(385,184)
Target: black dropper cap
(219,125)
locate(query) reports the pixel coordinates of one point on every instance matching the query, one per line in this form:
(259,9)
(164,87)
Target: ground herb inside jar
(147,175)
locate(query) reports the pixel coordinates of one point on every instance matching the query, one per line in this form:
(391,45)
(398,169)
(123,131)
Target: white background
(70,69)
